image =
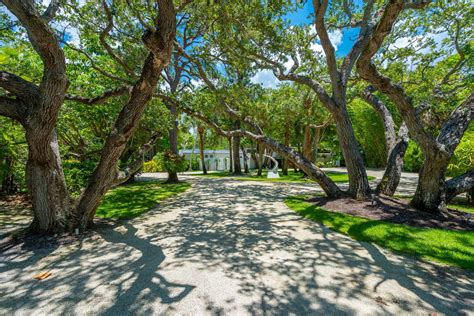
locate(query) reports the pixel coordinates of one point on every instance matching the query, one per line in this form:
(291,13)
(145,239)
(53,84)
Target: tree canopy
(90,90)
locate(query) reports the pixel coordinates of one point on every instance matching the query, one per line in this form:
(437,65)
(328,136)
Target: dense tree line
(99,87)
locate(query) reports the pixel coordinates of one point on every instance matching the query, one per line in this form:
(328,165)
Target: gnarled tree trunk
(429,195)
(286,142)
(46,183)
(430,191)
(396,145)
(244,155)
(358,183)
(160,43)
(231,158)
(236,151)
(36,108)
(201,148)
(173,140)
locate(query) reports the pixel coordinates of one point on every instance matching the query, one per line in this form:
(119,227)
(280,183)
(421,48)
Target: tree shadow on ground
(234,247)
(116,273)
(318,270)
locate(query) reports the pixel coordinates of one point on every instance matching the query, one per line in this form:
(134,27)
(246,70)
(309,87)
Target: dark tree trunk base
(172,178)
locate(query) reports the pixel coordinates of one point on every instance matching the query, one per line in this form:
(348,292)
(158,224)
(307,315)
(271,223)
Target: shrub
(413,158)
(174,163)
(154,165)
(77,174)
(463,158)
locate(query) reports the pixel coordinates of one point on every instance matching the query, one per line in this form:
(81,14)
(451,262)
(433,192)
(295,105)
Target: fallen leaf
(42,275)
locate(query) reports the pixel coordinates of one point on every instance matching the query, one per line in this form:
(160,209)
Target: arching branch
(458,185)
(11,108)
(100,99)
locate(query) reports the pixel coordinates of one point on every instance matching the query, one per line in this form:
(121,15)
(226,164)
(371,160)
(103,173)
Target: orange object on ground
(42,276)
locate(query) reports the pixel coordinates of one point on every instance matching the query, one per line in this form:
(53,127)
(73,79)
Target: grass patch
(444,246)
(292,176)
(132,200)
(462,206)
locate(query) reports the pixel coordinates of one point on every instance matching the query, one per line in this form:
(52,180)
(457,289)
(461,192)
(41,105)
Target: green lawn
(131,200)
(292,176)
(461,205)
(444,246)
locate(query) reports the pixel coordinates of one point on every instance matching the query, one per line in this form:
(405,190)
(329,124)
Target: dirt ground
(397,211)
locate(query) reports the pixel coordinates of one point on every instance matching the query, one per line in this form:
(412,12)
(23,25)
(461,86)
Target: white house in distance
(217,159)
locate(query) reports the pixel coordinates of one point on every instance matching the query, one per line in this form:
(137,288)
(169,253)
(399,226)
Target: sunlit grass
(292,176)
(132,200)
(444,246)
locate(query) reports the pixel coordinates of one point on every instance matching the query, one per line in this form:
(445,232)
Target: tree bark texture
(173,140)
(395,145)
(430,192)
(244,155)
(358,183)
(236,151)
(231,156)
(201,148)
(286,142)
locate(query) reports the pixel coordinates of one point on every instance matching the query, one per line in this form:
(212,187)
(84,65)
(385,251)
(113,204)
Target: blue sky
(302,17)
(343,41)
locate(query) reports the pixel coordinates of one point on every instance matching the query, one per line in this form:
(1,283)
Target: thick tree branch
(12,108)
(51,11)
(316,174)
(43,39)
(369,72)
(279,72)
(100,99)
(457,123)
(364,36)
(54,82)
(320,7)
(385,115)
(18,86)
(458,185)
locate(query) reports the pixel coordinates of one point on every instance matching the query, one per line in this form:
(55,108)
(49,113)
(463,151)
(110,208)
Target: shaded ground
(15,213)
(226,247)
(336,176)
(397,211)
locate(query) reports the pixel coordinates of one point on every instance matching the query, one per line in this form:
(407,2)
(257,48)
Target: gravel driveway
(226,247)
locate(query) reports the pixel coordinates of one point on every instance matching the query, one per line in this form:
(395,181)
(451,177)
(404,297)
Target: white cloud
(197,83)
(335,37)
(266,78)
(404,42)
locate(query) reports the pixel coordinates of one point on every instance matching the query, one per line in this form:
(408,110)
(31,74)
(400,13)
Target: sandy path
(229,247)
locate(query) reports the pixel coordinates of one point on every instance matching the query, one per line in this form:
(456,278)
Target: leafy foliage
(413,158)
(463,159)
(174,163)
